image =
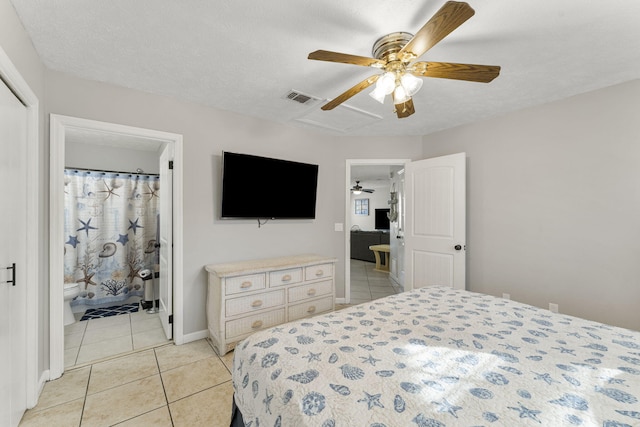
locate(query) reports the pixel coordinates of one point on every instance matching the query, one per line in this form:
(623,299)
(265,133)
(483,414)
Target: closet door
(13,231)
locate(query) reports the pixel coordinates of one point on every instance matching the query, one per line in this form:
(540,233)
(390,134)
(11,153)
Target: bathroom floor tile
(104,349)
(122,370)
(66,414)
(70,386)
(106,322)
(92,336)
(149,338)
(194,377)
(124,402)
(70,356)
(73,340)
(156,418)
(141,324)
(74,328)
(211,407)
(172,356)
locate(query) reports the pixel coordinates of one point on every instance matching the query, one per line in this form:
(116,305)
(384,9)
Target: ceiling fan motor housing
(389,45)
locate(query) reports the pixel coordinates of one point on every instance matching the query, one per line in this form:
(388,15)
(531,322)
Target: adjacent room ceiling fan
(357,189)
(395,53)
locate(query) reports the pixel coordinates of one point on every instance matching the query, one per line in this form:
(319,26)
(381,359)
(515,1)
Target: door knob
(457,247)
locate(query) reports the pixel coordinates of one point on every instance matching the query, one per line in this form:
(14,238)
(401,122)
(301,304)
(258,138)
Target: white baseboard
(341,300)
(39,387)
(195,336)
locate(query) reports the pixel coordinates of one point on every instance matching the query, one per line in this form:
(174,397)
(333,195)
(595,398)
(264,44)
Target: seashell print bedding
(439,357)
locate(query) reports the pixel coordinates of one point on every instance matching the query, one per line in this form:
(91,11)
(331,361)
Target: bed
(439,357)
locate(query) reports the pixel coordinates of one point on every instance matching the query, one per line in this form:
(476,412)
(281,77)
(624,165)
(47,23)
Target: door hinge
(171,318)
(170,164)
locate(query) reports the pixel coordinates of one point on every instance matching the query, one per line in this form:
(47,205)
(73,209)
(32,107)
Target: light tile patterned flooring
(90,340)
(368,284)
(187,385)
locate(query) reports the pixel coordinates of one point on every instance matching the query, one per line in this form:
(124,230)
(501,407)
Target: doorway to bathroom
(114,157)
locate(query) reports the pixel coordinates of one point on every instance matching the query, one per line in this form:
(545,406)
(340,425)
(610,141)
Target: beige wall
(207,132)
(553,207)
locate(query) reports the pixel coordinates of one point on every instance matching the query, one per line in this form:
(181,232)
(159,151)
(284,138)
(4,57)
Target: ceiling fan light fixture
(378,95)
(387,83)
(400,95)
(356,192)
(411,83)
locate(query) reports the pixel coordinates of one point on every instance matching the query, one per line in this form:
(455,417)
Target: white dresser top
(267,264)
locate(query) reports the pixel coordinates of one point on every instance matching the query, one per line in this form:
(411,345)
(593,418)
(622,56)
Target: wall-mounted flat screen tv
(255,187)
(382,220)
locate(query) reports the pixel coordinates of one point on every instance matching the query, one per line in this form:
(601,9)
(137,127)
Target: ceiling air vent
(300,97)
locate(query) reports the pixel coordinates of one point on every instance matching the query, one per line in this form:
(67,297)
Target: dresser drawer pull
(256,303)
(311,292)
(286,277)
(257,324)
(246,285)
(311,309)
(319,273)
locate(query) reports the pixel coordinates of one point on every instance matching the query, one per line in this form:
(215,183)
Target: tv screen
(255,187)
(382,220)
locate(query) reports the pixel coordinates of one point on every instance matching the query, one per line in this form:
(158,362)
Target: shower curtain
(110,226)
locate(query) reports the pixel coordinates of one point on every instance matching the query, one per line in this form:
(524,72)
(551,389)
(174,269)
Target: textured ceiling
(245,56)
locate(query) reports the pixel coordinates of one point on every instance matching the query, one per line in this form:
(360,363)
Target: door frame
(16,83)
(58,126)
(347,216)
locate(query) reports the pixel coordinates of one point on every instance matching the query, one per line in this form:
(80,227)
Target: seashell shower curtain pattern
(110,226)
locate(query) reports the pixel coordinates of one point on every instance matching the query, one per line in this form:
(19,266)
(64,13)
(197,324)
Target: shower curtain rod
(107,171)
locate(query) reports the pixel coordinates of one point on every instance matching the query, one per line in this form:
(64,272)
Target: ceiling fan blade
(367,190)
(448,70)
(448,18)
(405,109)
(345,58)
(350,92)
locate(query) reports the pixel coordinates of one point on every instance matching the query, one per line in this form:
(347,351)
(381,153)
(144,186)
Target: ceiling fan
(395,53)
(357,189)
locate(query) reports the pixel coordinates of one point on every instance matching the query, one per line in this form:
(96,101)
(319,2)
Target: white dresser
(244,297)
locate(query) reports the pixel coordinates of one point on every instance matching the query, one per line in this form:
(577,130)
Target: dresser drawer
(249,324)
(255,302)
(312,290)
(318,271)
(238,284)
(310,308)
(285,277)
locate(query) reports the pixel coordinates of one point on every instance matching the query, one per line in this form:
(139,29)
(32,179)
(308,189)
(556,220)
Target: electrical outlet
(553,307)
(506,296)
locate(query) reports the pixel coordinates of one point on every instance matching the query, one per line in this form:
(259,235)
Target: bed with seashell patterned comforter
(439,357)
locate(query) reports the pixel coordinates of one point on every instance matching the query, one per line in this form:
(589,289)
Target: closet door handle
(13,274)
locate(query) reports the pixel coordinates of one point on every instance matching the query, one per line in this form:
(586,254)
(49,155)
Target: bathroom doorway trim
(58,127)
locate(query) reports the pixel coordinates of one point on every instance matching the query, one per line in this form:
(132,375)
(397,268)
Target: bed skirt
(236,415)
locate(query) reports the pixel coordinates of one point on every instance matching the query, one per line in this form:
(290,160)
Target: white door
(13,190)
(435,218)
(166,239)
